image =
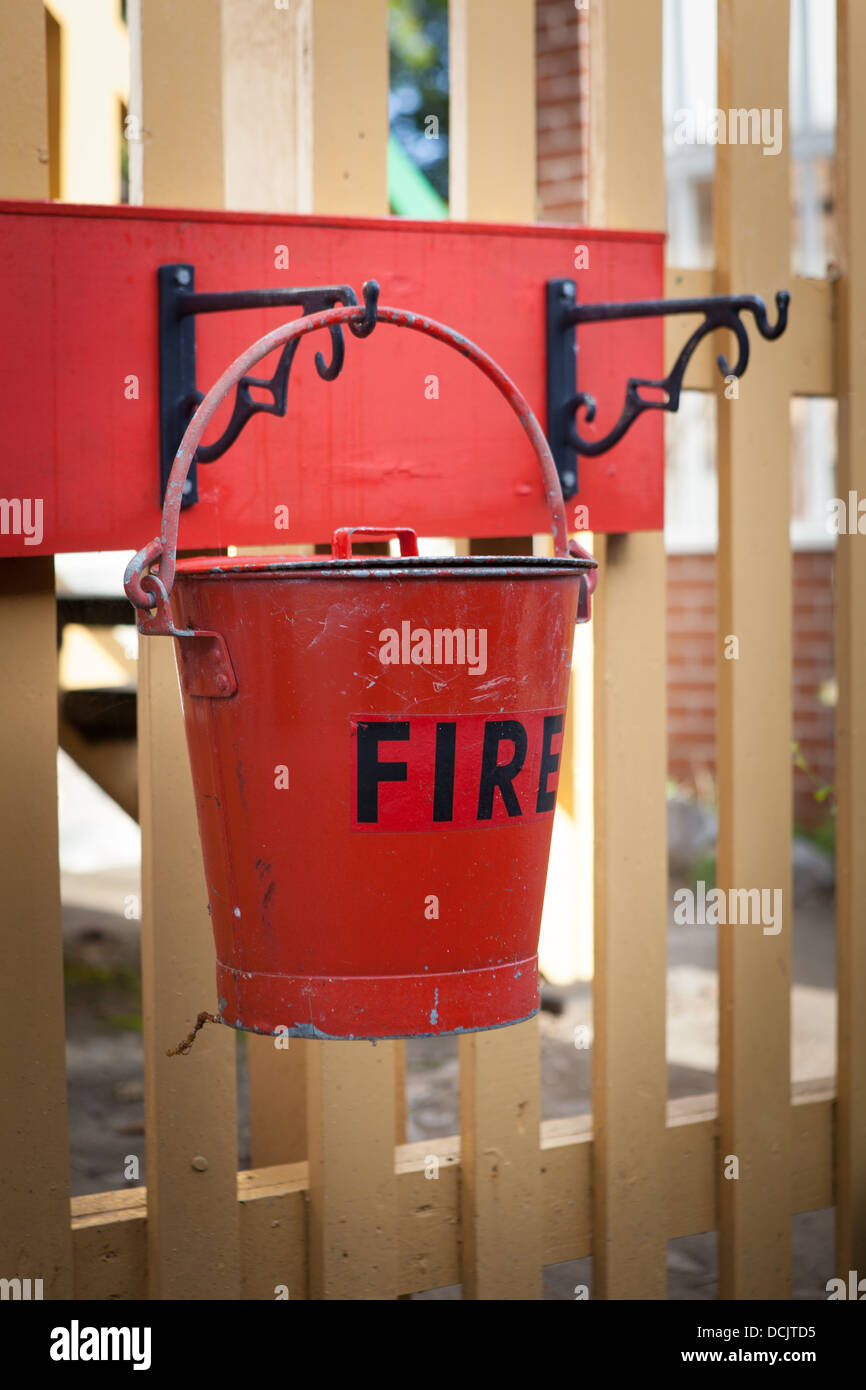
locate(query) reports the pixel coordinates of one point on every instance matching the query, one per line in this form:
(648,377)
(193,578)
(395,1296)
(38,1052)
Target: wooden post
(850,649)
(191,1113)
(35,1240)
(492,121)
(352,1113)
(24,101)
(89,67)
(500,1114)
(343,96)
(353,1249)
(500,1106)
(629,1076)
(565,948)
(190,1102)
(754,681)
(178,158)
(262,66)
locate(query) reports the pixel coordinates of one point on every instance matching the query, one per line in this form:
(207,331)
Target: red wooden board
(80,317)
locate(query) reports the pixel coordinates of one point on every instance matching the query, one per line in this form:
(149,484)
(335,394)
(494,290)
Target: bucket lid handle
(344,536)
(151,590)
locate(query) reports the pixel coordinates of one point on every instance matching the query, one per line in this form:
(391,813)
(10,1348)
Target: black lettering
(443,779)
(371,771)
(500,776)
(546,800)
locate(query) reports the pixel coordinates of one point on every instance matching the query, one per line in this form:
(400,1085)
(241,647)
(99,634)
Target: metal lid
(385,566)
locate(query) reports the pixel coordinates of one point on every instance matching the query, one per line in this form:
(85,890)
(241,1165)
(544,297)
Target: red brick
(561,64)
(551,39)
(554,88)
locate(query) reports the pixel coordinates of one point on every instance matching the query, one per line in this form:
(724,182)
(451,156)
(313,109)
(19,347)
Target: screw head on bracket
(182,275)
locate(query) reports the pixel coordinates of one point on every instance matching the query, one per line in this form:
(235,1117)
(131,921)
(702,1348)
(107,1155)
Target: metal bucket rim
(383,566)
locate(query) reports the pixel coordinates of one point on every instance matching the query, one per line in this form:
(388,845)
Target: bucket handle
(150,591)
(341,545)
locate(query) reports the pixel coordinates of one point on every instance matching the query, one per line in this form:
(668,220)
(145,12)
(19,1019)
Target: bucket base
(352,1007)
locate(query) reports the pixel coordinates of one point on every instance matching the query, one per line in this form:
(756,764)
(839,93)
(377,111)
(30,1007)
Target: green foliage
(823,835)
(109,993)
(78,975)
(824,791)
(704,871)
(419,84)
(410,38)
(125,1023)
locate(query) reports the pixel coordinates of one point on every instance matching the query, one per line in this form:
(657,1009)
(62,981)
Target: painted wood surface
(629,1079)
(368,448)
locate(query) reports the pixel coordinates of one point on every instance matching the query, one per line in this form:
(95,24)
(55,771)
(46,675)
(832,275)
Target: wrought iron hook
(371,301)
(178,306)
(329,370)
(563,316)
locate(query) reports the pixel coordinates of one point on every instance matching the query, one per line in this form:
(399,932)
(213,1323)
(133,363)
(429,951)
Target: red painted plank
(79,290)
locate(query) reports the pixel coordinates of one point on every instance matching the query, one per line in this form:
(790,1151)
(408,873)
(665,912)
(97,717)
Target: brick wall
(814,722)
(562,49)
(691,666)
(691,625)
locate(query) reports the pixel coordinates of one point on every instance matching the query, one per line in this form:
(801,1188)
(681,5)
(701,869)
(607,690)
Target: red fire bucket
(375,747)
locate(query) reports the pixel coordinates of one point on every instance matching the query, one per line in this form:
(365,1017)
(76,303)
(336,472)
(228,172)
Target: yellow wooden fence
(251,104)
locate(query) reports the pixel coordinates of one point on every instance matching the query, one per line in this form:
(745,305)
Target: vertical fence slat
(278,1100)
(851,648)
(176,74)
(500,1104)
(353,1240)
(35,1240)
(24,101)
(566,944)
(629,1081)
(752,215)
(343,126)
(500,1114)
(629,1084)
(260,108)
(261,114)
(269,116)
(190,1102)
(351,1087)
(491,150)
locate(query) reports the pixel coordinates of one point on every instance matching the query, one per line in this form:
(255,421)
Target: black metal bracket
(563,398)
(178,393)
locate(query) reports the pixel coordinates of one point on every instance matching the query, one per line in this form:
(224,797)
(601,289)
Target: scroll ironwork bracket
(178,392)
(565,401)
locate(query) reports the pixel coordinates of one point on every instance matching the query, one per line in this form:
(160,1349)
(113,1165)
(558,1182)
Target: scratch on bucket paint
(434,1012)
